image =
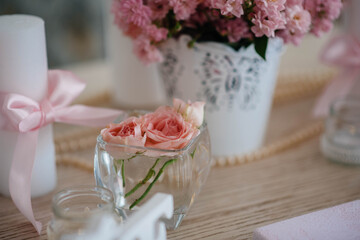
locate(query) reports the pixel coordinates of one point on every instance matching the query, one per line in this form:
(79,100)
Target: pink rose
(166,129)
(192,112)
(128,132)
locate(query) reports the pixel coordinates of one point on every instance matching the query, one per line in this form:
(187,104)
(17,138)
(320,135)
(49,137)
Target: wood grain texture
(235,200)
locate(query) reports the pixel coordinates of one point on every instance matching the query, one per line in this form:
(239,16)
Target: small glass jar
(73,207)
(341,140)
(134,174)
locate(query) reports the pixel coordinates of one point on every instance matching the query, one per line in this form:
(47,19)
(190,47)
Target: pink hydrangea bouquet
(168,128)
(237,23)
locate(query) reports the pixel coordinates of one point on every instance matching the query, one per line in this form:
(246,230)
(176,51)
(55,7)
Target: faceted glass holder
(73,207)
(134,174)
(341,140)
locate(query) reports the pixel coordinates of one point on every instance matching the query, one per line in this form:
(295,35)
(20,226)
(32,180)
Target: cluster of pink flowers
(323,13)
(150,22)
(167,128)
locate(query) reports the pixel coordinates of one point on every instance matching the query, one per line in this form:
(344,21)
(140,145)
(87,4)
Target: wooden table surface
(237,199)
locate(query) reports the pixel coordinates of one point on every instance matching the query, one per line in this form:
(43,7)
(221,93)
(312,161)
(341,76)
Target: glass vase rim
(339,102)
(202,128)
(80,190)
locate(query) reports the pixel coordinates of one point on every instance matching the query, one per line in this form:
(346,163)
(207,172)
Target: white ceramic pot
(237,87)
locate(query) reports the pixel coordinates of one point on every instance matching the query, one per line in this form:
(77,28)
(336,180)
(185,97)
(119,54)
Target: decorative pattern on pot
(237,87)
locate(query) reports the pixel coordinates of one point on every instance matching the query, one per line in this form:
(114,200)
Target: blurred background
(81,38)
(75,29)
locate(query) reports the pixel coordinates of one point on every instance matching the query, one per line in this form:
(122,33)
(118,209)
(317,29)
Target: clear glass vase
(134,174)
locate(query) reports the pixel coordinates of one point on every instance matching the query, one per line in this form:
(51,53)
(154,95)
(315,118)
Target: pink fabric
(26,116)
(336,223)
(344,52)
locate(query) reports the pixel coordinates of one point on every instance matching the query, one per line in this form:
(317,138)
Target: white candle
(134,84)
(23,70)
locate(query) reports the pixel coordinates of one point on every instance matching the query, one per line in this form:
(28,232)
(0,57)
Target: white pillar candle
(23,70)
(134,84)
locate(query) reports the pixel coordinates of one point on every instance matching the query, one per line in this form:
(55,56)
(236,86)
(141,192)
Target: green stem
(123,171)
(116,163)
(193,154)
(132,157)
(115,168)
(150,173)
(142,182)
(152,183)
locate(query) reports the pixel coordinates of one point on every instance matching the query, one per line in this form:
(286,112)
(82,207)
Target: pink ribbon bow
(343,52)
(26,116)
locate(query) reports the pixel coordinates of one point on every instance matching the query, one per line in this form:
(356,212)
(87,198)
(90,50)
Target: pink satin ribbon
(26,116)
(343,52)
